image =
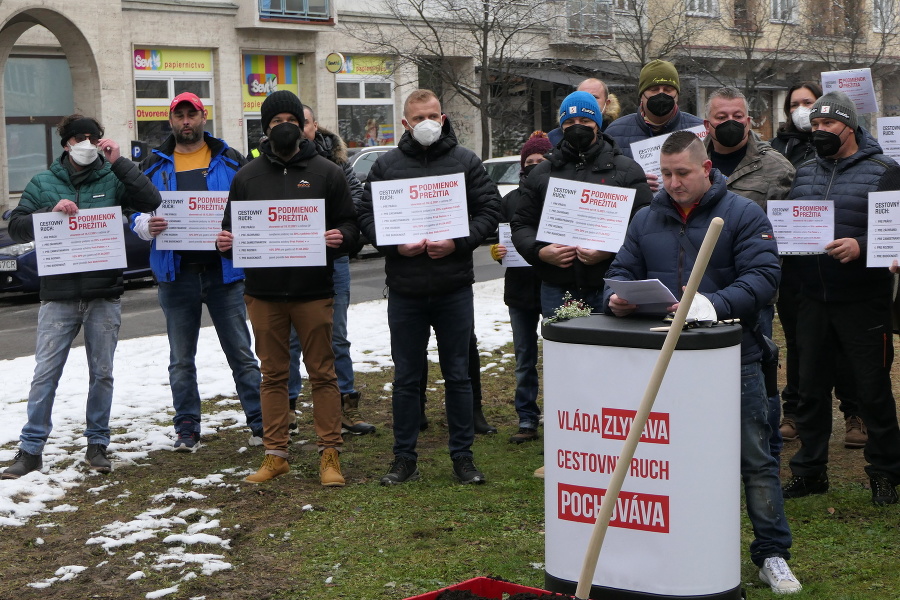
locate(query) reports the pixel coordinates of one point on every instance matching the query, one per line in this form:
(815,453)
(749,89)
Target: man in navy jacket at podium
(742,276)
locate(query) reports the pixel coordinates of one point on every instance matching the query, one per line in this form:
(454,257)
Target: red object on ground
(486,587)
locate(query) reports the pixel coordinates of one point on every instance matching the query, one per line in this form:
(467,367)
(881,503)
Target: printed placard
(278,233)
(194,220)
(857,84)
(889,136)
(512,258)
(585,214)
(884,229)
(801,226)
(646,152)
(90,240)
(426,208)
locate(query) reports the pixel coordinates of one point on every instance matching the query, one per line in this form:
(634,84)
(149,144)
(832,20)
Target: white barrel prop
(675,530)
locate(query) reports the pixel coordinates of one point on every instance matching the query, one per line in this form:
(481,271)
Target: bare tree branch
(447,38)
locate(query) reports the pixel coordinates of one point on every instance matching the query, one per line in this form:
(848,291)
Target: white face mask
(83,153)
(800,117)
(427,132)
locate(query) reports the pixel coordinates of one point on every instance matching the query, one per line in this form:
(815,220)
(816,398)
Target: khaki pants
(271,322)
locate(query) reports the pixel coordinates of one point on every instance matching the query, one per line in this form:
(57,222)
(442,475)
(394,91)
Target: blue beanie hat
(580,104)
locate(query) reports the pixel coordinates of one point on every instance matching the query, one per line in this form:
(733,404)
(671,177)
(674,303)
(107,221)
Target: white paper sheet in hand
(644,291)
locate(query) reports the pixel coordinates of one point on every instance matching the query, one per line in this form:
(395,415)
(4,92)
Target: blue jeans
(343,365)
(59,321)
(182,302)
(552,297)
(759,471)
(525,342)
(776,443)
(410,319)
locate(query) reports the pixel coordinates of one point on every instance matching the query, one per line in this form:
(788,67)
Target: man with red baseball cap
(191,159)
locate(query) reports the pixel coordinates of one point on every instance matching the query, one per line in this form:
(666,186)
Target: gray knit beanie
(837,106)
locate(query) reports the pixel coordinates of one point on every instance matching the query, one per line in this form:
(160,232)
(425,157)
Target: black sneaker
(187,441)
(883,491)
(23,464)
(481,424)
(403,469)
(525,434)
(466,471)
(800,486)
(96,458)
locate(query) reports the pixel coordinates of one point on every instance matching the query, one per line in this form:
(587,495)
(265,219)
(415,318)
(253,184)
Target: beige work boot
(789,429)
(330,469)
(272,466)
(539,472)
(351,419)
(856,434)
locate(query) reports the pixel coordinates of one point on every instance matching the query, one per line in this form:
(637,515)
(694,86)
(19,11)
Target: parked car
(504,171)
(18,262)
(363,159)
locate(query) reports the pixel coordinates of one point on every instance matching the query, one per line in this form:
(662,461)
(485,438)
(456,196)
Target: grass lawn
(293,539)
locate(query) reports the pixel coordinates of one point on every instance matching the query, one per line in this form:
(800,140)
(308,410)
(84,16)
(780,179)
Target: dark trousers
(862,331)
(410,319)
(788,312)
(474,374)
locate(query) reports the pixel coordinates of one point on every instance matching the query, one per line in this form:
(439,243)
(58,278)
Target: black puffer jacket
(332,146)
(847,182)
(521,285)
(306,175)
(421,275)
(794,145)
(602,164)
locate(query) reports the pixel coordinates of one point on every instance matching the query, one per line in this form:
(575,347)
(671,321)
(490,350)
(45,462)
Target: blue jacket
(632,128)
(160,168)
(742,274)
(847,182)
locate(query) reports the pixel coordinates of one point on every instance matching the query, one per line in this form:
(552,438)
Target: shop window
(347,90)
(151,88)
(37,95)
(366,111)
(152,97)
(200,88)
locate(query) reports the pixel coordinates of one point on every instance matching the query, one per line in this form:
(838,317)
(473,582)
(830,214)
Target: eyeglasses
(80,137)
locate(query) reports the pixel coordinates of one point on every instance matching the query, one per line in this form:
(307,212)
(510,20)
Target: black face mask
(579,136)
(527,169)
(730,133)
(661,104)
(283,138)
(826,143)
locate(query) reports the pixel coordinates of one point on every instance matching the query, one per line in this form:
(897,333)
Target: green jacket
(117,184)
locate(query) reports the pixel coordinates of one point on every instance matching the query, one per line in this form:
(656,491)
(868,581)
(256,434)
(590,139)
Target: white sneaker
(255,440)
(776,572)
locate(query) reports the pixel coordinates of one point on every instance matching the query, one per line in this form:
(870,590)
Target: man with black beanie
(90,173)
(289,167)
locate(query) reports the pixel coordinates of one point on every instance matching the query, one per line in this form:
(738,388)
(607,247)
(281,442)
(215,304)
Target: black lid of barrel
(634,332)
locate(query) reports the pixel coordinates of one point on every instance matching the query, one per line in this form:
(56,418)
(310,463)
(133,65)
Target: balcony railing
(295,10)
